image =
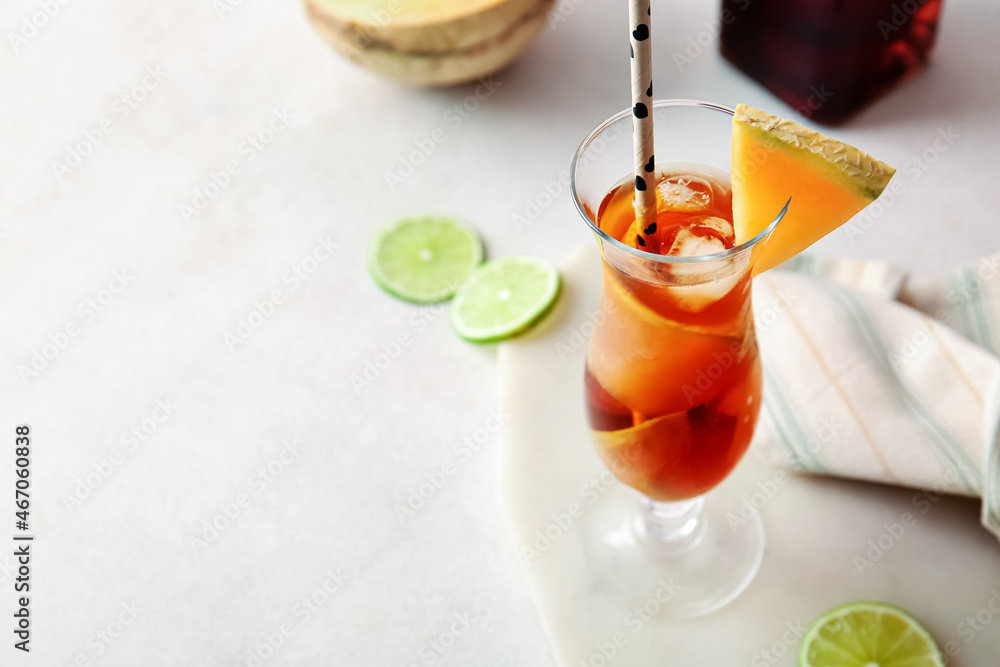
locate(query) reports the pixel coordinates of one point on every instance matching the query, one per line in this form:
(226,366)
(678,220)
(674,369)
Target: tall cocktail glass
(673,372)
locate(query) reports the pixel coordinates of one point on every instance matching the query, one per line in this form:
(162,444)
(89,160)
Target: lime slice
(423,259)
(868,634)
(503,298)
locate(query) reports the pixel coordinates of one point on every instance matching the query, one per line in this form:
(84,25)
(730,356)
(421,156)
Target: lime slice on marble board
(503,298)
(868,634)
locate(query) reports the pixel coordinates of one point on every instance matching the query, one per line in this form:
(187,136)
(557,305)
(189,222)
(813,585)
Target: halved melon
(828,181)
(429,42)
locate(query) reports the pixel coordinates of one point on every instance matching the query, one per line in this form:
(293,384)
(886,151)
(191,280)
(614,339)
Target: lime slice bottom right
(868,634)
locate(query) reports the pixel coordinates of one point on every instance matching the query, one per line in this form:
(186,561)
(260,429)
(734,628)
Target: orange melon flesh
(828,181)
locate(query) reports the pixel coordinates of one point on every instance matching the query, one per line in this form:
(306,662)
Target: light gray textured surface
(193,280)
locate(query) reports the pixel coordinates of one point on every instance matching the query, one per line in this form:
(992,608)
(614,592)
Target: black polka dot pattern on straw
(642,118)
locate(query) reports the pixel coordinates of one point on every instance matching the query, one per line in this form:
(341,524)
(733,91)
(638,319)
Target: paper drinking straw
(642,118)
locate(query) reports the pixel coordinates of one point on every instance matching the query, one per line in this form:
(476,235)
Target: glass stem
(675,524)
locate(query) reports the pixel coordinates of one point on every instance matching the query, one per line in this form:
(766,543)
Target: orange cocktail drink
(673,373)
(673,376)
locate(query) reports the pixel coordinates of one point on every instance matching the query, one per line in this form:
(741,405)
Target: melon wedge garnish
(828,181)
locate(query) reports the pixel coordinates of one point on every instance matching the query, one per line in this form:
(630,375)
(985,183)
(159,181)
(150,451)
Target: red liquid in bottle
(829,58)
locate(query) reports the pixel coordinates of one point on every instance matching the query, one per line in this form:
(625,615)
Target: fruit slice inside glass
(673,375)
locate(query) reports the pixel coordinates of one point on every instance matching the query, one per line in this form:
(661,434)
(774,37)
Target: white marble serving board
(823,534)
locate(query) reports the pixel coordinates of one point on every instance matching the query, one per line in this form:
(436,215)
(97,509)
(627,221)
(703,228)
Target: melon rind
(863,172)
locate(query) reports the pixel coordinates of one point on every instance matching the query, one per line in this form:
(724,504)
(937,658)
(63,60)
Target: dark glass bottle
(829,58)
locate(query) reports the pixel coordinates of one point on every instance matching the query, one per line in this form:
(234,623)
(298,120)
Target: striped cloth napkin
(878,376)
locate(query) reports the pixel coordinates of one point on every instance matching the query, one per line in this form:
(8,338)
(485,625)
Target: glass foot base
(710,556)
